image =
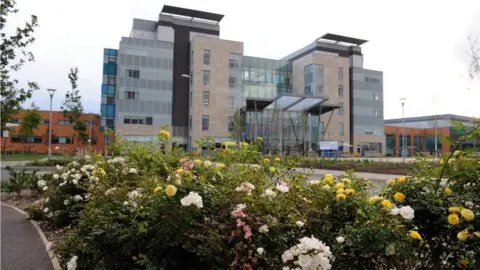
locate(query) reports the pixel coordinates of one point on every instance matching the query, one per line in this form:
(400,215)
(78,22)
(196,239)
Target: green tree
(474,68)
(13,55)
(237,127)
(31,120)
(73,109)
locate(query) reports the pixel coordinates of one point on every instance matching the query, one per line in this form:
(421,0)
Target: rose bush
(160,208)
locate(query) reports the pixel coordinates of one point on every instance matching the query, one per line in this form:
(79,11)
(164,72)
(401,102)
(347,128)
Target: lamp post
(403,128)
(189,143)
(50,92)
(436,143)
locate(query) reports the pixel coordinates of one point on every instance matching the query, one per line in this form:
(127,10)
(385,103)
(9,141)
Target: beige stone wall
(330,63)
(368,138)
(217,110)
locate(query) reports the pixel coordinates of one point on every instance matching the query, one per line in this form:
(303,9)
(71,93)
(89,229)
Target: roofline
(192,13)
(451,117)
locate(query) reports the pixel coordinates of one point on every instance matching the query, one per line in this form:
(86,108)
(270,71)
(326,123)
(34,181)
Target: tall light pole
(403,128)
(50,92)
(436,143)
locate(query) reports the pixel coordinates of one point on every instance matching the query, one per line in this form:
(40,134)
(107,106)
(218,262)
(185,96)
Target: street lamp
(436,143)
(50,92)
(403,128)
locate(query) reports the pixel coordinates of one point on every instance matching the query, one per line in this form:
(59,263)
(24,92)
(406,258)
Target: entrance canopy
(292,103)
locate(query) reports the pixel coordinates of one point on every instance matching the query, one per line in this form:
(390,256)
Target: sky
(421,46)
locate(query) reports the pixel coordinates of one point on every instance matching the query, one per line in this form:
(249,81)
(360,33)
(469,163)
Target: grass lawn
(21,157)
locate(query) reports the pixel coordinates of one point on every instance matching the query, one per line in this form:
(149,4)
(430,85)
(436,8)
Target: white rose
(263,228)
(72,170)
(305,260)
(45,188)
(125,203)
(75,181)
(299,223)
(41,183)
(287,256)
(57,148)
(260,251)
(407,213)
(326,187)
(77,198)
(395,211)
(46,210)
(314,182)
(66,202)
(133,171)
(87,157)
(55,176)
(207,163)
(340,239)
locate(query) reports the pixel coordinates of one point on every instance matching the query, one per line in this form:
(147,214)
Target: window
(340,129)
(232,81)
(16,120)
(131,73)
(111,110)
(94,140)
(131,95)
(231,102)
(44,121)
(62,140)
(376,96)
(206,98)
(340,91)
(230,123)
(190,122)
(87,123)
(340,109)
(206,77)
(377,113)
(149,121)
(340,73)
(234,60)
(103,110)
(110,100)
(110,123)
(126,120)
(15,139)
(141,120)
(64,122)
(206,57)
(205,122)
(134,120)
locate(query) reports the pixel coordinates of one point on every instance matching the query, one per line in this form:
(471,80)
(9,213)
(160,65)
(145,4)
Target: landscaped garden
(157,208)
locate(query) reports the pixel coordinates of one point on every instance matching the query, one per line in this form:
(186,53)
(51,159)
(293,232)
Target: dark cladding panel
(181,65)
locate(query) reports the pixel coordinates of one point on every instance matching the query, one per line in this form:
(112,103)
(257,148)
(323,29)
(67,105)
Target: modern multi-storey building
(177,72)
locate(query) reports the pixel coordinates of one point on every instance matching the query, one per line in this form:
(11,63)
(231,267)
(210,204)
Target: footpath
(22,248)
(375,177)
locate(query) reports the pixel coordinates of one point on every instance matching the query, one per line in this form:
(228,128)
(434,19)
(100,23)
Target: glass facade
(109,88)
(391,142)
(314,80)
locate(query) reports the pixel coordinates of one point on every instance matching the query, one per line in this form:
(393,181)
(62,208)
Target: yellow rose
(453,219)
(415,235)
(462,236)
(455,209)
(341,197)
(220,166)
(171,190)
(350,191)
(456,153)
(387,204)
(157,189)
(179,170)
(346,181)
(467,214)
(340,190)
(374,199)
(260,139)
(402,179)
(399,197)
(277,159)
(99,172)
(464,262)
(327,181)
(390,181)
(266,160)
(447,191)
(339,186)
(207,163)
(271,169)
(198,161)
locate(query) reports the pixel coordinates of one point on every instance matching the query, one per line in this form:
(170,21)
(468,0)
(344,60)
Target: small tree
(73,109)
(13,96)
(31,120)
(237,127)
(474,68)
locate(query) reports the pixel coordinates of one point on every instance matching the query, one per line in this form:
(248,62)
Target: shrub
(20,180)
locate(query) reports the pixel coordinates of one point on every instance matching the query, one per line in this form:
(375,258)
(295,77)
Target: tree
(31,120)
(73,109)
(237,127)
(13,55)
(474,68)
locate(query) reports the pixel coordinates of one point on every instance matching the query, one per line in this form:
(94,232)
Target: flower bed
(166,209)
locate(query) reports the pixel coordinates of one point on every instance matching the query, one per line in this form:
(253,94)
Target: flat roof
(192,13)
(450,117)
(292,103)
(340,38)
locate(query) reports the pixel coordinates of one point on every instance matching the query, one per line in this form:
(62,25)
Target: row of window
(108,89)
(60,122)
(110,52)
(132,95)
(372,79)
(206,100)
(159,44)
(39,139)
(138,120)
(107,110)
(110,69)
(146,83)
(145,61)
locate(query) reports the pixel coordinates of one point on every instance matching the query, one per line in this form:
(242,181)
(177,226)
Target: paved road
(40,170)
(22,247)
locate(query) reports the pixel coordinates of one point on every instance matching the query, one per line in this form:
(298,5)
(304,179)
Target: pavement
(22,248)
(375,177)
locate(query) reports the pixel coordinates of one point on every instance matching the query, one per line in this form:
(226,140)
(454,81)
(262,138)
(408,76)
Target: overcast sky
(421,46)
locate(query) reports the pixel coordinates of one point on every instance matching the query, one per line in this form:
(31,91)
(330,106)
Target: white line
(51,255)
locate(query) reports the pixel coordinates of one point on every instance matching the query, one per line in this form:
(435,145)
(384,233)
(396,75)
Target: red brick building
(63,135)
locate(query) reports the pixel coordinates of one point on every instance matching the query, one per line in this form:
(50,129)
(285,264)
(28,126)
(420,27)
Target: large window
(230,123)
(232,81)
(340,110)
(20,139)
(110,69)
(111,110)
(340,91)
(64,122)
(205,122)
(108,89)
(231,102)
(340,129)
(138,120)
(206,57)
(234,60)
(340,73)
(206,77)
(206,98)
(62,140)
(133,73)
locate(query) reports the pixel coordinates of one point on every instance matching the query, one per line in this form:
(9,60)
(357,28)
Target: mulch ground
(398,169)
